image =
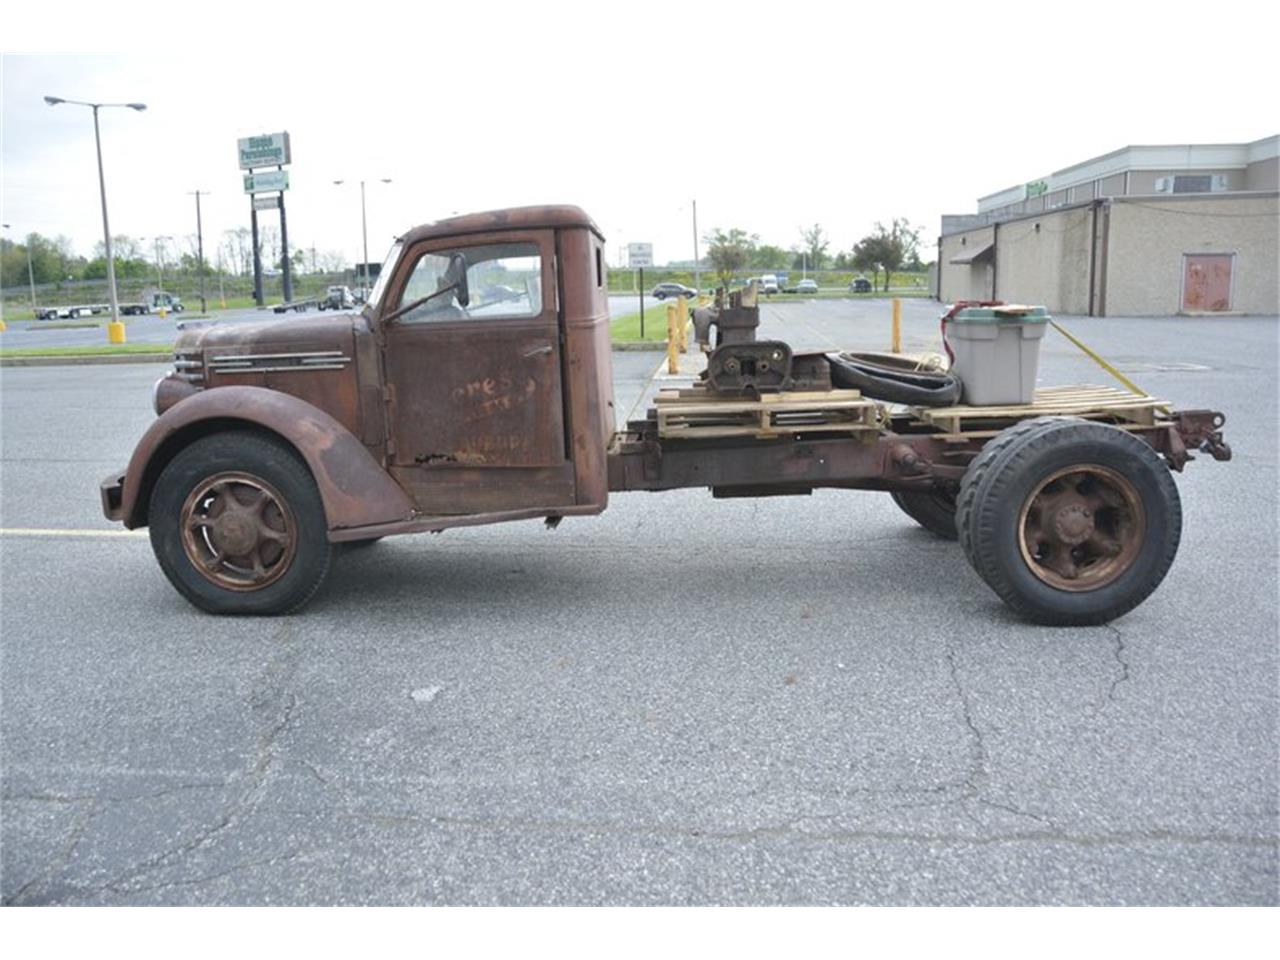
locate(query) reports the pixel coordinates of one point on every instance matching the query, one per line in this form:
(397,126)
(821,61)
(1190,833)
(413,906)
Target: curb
(86,361)
(635,346)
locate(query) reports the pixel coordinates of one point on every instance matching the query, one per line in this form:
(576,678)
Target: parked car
(860,285)
(768,283)
(664,290)
(807,286)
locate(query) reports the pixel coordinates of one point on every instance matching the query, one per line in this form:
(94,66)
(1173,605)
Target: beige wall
(964,281)
(1112,186)
(1049,266)
(1263,175)
(1149,237)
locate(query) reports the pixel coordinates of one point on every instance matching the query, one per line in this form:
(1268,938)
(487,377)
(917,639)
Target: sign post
(268,150)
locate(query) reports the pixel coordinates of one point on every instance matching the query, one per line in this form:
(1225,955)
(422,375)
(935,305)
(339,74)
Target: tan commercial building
(1141,231)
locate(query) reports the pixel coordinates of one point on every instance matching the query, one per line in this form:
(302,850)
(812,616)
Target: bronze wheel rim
(238,531)
(1081,528)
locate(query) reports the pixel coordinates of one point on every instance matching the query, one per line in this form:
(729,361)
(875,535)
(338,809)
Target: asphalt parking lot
(798,700)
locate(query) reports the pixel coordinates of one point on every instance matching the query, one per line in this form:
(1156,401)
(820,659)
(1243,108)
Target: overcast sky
(771,116)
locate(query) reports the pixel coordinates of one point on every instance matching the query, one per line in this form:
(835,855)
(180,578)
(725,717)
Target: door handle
(538,351)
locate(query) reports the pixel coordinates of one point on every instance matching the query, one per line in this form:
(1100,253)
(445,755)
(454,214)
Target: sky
(771,117)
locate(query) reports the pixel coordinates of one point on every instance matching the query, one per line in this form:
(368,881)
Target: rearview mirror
(458,269)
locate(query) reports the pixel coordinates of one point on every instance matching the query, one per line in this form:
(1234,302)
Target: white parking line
(69,532)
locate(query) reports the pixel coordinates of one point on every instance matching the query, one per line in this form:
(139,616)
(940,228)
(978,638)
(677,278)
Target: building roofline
(1150,157)
(1102,201)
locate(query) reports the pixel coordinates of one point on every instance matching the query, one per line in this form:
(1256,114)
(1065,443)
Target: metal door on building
(1206,281)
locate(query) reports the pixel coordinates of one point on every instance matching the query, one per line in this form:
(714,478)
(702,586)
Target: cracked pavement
(803,700)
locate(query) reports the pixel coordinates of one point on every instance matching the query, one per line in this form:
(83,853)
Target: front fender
(354,487)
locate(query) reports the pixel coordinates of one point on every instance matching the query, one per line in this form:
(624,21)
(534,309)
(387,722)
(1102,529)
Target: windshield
(384,275)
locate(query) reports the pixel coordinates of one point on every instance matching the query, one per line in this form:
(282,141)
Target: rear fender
(354,487)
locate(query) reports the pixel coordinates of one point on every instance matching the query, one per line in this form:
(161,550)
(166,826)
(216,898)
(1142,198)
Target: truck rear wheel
(935,510)
(1071,522)
(238,526)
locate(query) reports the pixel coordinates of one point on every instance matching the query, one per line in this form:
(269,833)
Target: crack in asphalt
(976,780)
(1124,664)
(278,671)
(78,831)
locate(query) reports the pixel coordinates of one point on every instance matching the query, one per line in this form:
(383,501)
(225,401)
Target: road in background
(791,700)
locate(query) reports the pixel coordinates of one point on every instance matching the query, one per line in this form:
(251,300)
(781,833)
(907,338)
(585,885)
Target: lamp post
(115,329)
(31,273)
(364,232)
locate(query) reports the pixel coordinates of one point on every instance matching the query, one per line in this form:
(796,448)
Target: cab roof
(512,218)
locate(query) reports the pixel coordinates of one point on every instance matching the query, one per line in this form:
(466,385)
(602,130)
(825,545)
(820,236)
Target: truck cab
(474,386)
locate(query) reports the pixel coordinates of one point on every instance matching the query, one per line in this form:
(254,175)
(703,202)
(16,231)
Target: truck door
(476,400)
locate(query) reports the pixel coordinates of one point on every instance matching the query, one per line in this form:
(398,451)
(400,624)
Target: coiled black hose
(893,380)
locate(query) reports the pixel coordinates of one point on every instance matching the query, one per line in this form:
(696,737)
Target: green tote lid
(1008,313)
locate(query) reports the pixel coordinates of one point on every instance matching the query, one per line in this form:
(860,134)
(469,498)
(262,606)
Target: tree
(767,257)
(815,246)
(237,252)
(888,248)
(729,252)
(269,244)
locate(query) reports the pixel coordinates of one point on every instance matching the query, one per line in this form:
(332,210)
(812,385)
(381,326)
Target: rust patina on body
(476,387)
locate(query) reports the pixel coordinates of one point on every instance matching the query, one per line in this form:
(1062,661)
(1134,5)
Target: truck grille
(278,362)
(188,366)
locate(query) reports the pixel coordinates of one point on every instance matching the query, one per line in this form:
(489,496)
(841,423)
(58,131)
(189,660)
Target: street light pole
(115,329)
(204,305)
(697,264)
(364,231)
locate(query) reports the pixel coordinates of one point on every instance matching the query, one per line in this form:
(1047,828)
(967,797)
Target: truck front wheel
(238,525)
(1072,523)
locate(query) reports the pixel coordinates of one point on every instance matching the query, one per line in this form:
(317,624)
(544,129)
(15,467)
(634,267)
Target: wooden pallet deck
(1084,400)
(701,414)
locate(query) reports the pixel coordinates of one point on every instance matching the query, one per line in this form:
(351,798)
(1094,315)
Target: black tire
(935,510)
(659,296)
(279,469)
(998,504)
(359,544)
(895,382)
(978,470)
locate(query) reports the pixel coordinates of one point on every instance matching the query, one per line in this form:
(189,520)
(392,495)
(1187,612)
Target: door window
(481,282)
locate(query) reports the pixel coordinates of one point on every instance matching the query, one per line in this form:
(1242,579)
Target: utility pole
(204,304)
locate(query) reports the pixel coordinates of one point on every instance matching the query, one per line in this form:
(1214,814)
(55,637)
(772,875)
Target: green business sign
(268,181)
(1037,188)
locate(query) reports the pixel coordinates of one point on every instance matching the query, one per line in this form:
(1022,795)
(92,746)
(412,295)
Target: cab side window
(480,282)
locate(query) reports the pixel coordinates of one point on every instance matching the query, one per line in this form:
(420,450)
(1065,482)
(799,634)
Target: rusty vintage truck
(475,386)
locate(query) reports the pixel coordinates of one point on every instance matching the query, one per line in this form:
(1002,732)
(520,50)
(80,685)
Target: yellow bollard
(115,332)
(673,341)
(3,326)
(683,321)
(896,345)
(163,312)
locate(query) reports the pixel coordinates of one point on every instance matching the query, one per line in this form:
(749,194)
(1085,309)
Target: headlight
(168,391)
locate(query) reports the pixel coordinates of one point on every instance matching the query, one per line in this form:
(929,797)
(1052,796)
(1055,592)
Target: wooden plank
(1083,400)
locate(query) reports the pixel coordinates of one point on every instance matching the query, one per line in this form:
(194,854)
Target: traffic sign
(640,254)
(267,203)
